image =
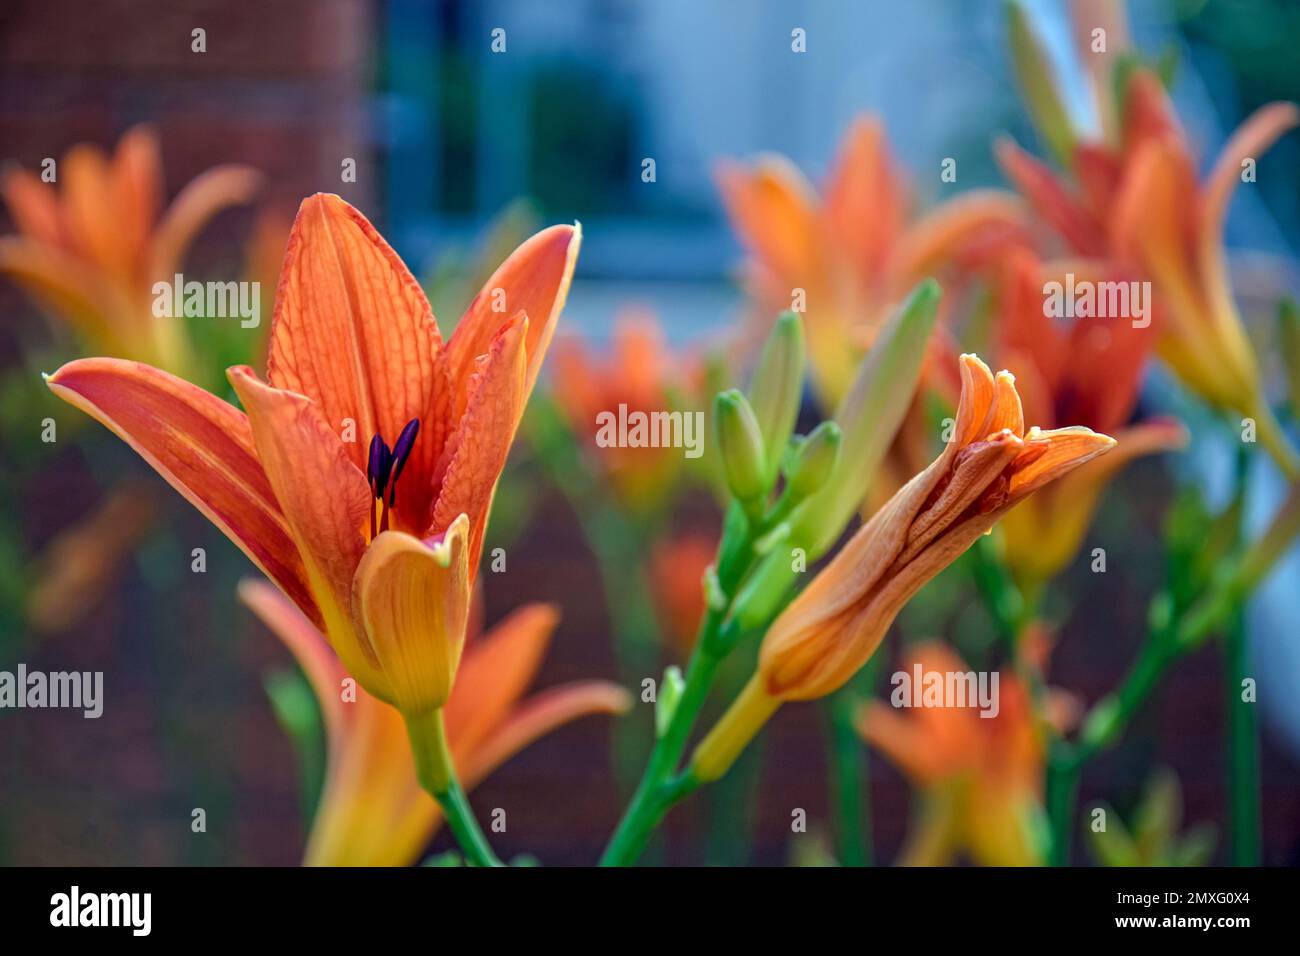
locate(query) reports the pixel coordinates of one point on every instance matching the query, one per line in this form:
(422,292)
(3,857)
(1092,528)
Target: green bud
(869,417)
(741,445)
(1038,86)
(670,692)
(764,592)
(777,387)
(815,461)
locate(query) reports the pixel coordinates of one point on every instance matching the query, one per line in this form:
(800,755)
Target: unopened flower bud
(741,445)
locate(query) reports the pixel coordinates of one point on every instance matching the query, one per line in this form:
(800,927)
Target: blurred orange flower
(91,252)
(640,374)
(78,568)
(1088,374)
(855,250)
(677,569)
(1136,203)
(355,357)
(373,811)
(980,777)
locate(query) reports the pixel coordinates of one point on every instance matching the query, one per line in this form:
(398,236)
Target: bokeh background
(447,136)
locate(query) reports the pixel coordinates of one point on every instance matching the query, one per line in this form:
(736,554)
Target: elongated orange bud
(990,465)
(834,626)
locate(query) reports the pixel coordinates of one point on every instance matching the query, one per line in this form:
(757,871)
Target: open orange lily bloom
(91,253)
(980,777)
(360,474)
(836,623)
(373,811)
(1088,373)
(1139,205)
(854,249)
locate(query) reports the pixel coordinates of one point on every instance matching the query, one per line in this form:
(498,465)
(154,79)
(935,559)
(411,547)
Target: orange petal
(412,602)
(495,672)
(372,811)
(90,209)
(194,206)
(534,280)
(1051,199)
(974,470)
(72,291)
(1023,327)
(1147,113)
(1007,413)
(354,332)
(639,366)
(481,442)
(323,496)
(864,198)
(1106,363)
(203,447)
(975,406)
(773,209)
(953,227)
(137,184)
(34,206)
(308,646)
(1066,449)
(538,716)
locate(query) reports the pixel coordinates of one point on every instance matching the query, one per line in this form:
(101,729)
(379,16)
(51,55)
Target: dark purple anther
(401,451)
(381,462)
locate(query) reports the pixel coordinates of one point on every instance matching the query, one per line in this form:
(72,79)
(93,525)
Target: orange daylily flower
(373,811)
(1088,374)
(981,777)
(91,252)
(836,623)
(1137,203)
(854,249)
(639,374)
(677,568)
(378,545)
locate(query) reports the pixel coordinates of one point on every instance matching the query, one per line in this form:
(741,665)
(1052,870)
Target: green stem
(437,774)
(1063,772)
(848,778)
(1243,750)
(658,789)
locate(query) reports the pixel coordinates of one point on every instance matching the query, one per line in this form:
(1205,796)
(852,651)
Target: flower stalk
(437,774)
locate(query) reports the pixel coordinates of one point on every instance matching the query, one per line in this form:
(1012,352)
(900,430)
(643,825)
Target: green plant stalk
(1243,749)
(1167,640)
(850,786)
(1062,793)
(661,786)
(437,774)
